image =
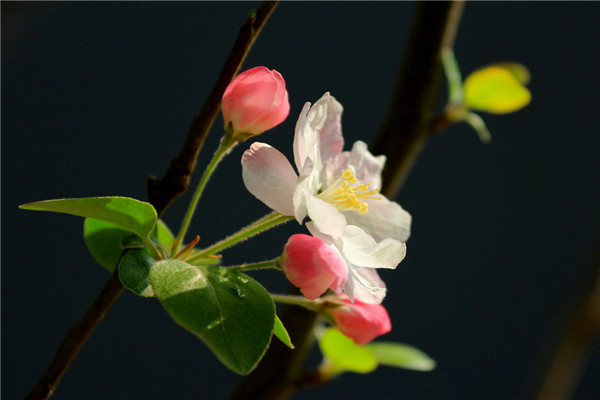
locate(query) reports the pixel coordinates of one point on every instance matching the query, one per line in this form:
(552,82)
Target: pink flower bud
(361,322)
(255,101)
(313,266)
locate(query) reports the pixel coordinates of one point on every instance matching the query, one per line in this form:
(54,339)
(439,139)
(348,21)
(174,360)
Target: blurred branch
(279,374)
(407,124)
(562,366)
(161,193)
(176,181)
(276,376)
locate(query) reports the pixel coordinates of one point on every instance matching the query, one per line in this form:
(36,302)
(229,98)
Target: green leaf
(133,215)
(132,242)
(163,234)
(105,240)
(281,333)
(228,310)
(341,354)
(133,272)
(401,355)
(497,89)
(519,71)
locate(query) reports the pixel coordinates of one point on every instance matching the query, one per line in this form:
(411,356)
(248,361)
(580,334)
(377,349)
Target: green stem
(453,77)
(479,125)
(274,263)
(296,300)
(226,144)
(267,222)
(154,249)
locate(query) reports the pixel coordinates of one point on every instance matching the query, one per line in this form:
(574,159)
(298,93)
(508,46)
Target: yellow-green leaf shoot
(497,89)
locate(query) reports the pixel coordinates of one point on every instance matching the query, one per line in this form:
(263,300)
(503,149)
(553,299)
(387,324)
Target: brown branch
(406,127)
(565,357)
(76,338)
(279,374)
(162,192)
(276,375)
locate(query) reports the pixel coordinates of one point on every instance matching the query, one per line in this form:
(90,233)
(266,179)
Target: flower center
(344,195)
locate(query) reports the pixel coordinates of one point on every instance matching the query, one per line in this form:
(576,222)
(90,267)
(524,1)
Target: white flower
(337,190)
(361,255)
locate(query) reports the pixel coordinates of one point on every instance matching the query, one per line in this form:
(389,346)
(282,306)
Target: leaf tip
(26,206)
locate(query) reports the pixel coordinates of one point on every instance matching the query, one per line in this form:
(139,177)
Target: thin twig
(75,339)
(161,194)
(406,127)
(280,374)
(563,361)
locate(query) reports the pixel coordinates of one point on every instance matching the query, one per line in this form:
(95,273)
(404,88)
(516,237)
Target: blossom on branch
(338,191)
(255,101)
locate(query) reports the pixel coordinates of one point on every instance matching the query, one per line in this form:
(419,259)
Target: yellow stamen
(346,197)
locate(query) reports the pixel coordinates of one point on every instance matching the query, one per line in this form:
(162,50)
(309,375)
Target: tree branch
(276,376)
(407,125)
(161,193)
(76,338)
(279,374)
(564,358)
(176,180)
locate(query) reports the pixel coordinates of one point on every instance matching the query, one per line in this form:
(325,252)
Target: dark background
(96,96)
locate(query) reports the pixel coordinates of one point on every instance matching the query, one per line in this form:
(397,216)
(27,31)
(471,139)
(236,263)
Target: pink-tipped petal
(270,177)
(318,133)
(330,132)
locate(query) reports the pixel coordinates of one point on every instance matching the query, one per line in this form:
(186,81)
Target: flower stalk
(273,264)
(297,301)
(227,143)
(267,222)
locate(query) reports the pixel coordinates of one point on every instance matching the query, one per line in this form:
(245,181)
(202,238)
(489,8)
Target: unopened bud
(255,101)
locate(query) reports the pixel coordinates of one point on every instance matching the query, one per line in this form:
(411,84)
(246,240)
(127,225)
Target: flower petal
(361,249)
(333,168)
(385,219)
(330,132)
(307,184)
(325,217)
(270,177)
(319,131)
(366,284)
(362,283)
(367,167)
(305,140)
